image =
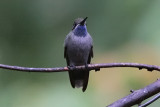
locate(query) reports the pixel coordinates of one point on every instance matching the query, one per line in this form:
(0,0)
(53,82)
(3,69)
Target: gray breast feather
(78,48)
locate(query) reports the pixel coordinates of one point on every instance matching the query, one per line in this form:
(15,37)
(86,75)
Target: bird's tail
(79,79)
(85,80)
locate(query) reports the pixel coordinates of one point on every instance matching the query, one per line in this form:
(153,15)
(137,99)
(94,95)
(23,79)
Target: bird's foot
(86,66)
(71,67)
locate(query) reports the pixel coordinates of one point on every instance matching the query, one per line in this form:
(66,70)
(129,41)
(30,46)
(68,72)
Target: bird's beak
(83,21)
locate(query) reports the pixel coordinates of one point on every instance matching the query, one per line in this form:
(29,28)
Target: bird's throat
(80,31)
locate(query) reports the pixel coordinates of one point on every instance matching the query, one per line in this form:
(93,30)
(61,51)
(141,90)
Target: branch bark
(90,67)
(136,97)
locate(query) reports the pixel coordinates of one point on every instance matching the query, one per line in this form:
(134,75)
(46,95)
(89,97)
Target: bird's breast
(80,42)
(79,48)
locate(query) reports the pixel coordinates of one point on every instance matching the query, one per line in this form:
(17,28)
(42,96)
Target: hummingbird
(78,50)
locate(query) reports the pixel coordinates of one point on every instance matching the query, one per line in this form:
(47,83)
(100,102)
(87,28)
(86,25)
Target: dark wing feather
(66,56)
(71,75)
(65,50)
(90,55)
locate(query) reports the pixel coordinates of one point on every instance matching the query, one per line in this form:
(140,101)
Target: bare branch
(150,101)
(29,69)
(90,66)
(136,97)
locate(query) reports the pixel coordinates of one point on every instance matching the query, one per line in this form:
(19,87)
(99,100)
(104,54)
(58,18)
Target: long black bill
(83,21)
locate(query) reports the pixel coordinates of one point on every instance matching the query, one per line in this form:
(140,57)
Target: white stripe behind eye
(77,26)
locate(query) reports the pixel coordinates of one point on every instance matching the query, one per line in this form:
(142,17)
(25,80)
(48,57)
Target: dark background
(32,35)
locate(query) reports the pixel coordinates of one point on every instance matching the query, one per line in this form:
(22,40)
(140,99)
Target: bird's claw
(71,68)
(86,67)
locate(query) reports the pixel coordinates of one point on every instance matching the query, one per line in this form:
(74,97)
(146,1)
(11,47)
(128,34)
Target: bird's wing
(90,55)
(86,73)
(65,55)
(71,75)
(65,50)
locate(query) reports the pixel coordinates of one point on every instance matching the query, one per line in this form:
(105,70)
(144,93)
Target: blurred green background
(32,35)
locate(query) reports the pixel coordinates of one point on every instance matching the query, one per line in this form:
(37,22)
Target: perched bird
(78,50)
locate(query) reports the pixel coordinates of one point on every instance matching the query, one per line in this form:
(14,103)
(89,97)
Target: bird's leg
(71,67)
(86,66)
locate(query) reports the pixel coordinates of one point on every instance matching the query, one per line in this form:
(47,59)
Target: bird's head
(79,27)
(79,22)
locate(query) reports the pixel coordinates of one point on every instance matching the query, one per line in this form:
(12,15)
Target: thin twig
(150,101)
(90,67)
(138,96)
